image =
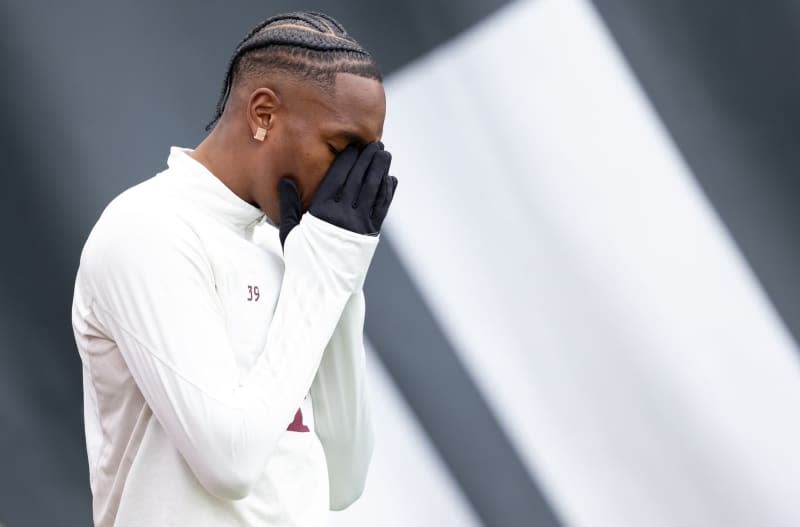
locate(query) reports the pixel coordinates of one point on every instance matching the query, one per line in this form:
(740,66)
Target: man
(214,297)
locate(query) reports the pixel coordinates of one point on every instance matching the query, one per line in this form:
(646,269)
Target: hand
(354,195)
(357,190)
(289,201)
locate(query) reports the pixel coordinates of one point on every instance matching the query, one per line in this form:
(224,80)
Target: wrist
(335,230)
(320,249)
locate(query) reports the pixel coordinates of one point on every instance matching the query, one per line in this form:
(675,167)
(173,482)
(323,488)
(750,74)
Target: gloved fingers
(374,178)
(380,198)
(290,207)
(355,178)
(288,197)
(331,185)
(384,199)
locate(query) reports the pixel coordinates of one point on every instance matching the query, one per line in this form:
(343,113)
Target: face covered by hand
(355,193)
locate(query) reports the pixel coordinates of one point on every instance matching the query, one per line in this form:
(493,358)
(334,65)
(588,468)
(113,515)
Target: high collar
(209,192)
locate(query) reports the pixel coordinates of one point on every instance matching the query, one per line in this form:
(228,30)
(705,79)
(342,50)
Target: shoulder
(149,202)
(148,210)
(142,230)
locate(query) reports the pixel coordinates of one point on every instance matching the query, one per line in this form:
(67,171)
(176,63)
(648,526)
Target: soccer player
(218,306)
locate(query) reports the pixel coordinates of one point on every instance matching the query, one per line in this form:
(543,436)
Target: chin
(270,221)
(272,215)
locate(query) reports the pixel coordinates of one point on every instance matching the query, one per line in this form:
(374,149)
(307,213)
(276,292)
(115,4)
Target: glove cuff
(330,251)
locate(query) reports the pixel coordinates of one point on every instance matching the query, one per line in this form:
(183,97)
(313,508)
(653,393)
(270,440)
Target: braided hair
(307,44)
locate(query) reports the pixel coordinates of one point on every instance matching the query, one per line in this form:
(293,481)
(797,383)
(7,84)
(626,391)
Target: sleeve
(342,417)
(154,293)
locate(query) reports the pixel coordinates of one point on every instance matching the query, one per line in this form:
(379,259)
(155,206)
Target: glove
(289,202)
(355,193)
(357,190)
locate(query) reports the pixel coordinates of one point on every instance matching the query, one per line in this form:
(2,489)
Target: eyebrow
(353,137)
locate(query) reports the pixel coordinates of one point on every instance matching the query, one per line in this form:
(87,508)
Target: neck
(221,155)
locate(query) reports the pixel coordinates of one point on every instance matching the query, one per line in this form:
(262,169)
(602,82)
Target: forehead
(354,104)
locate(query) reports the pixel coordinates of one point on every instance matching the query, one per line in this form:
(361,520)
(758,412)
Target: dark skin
(307,124)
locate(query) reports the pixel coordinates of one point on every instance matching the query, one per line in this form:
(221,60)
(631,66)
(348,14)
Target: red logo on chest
(297,425)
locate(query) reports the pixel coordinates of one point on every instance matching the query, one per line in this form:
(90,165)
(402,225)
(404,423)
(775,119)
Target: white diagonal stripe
(407,483)
(590,288)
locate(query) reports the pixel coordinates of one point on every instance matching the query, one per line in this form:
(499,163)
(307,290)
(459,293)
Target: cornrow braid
(308,44)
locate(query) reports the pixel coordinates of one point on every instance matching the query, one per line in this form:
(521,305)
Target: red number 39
(253,293)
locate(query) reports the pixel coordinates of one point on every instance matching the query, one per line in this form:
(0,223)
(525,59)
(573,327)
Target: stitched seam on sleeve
(150,351)
(105,439)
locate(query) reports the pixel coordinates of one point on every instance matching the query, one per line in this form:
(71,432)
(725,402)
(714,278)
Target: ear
(261,108)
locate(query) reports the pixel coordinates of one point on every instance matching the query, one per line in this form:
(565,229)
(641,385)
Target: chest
(248,280)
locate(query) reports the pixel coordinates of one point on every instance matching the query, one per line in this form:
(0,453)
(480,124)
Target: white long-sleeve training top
(201,340)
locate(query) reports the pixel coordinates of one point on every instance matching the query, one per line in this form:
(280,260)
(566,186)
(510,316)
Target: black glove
(354,195)
(289,201)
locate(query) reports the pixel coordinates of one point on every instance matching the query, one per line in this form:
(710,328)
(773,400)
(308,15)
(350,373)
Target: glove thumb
(289,201)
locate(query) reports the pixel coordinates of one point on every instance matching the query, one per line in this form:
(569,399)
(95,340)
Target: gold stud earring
(261,133)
